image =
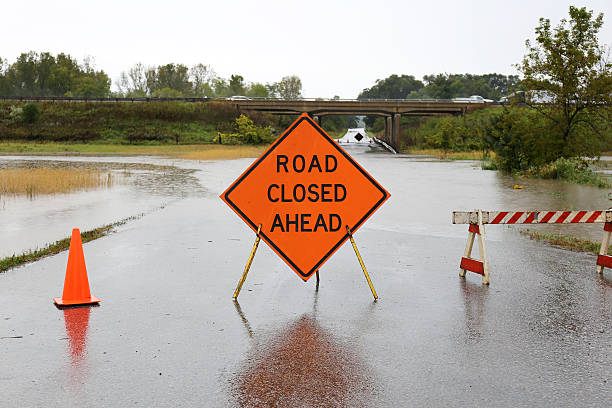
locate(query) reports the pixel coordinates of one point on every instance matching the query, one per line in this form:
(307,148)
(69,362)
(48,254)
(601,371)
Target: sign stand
(256,244)
(248,265)
(365,271)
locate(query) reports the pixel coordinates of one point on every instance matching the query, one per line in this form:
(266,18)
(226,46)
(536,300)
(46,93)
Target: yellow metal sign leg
(248,265)
(365,271)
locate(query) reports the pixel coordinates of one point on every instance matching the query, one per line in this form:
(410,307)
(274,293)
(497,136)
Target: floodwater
(167,332)
(146,184)
(141,185)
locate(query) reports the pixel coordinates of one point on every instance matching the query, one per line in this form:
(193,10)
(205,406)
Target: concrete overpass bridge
(391,109)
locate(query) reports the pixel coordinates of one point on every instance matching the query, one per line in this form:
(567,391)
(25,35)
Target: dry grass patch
(31,182)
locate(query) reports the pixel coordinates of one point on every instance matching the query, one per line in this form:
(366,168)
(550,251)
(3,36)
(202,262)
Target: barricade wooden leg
(482,249)
(481,266)
(604,260)
(468,250)
(248,265)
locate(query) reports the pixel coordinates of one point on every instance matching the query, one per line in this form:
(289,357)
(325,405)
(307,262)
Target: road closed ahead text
(314,193)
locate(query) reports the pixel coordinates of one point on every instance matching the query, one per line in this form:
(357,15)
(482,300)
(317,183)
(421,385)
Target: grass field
(193,152)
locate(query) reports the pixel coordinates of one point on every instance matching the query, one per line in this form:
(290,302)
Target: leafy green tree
(30,113)
(236,85)
(221,87)
(5,85)
(392,87)
(133,83)
(567,68)
(43,74)
(201,77)
(289,87)
(171,76)
(257,90)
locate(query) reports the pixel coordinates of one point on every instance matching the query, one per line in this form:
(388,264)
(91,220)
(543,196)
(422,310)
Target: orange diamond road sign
(304,191)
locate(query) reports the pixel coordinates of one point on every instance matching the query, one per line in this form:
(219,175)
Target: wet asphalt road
(168,334)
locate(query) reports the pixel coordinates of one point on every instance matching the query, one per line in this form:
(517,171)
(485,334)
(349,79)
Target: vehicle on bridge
(473,99)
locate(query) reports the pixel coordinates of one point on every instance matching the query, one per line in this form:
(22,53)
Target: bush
(246,133)
(573,170)
(30,113)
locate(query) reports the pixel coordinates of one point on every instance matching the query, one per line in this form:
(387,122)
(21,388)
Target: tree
(43,74)
(290,87)
(5,85)
(201,76)
(236,85)
(392,87)
(567,69)
(257,90)
(220,87)
(134,82)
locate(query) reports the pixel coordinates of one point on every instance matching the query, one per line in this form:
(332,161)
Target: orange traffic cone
(76,285)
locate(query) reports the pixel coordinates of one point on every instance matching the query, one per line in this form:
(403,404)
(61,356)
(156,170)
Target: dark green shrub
(30,113)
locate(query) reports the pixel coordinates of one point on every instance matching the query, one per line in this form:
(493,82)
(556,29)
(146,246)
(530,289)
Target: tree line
(200,80)
(44,74)
(441,86)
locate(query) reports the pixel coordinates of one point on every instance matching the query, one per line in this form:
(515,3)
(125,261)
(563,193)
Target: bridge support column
(396,130)
(388,126)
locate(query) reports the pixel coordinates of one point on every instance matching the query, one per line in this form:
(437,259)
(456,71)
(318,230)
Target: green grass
(573,171)
(566,242)
(51,148)
(59,246)
(448,155)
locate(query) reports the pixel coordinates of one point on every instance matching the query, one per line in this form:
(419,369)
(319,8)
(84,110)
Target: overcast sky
(335,47)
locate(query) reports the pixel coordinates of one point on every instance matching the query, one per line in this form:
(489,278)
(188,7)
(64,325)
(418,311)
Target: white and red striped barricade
(478,218)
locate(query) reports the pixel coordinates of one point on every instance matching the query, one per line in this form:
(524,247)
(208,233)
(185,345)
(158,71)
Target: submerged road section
(168,334)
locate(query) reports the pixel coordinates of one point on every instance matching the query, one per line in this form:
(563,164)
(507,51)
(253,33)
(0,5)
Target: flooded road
(167,332)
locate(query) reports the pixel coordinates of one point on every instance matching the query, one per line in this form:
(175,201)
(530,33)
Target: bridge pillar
(396,130)
(388,129)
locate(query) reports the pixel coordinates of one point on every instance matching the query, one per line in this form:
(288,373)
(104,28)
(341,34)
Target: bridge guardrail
(206,99)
